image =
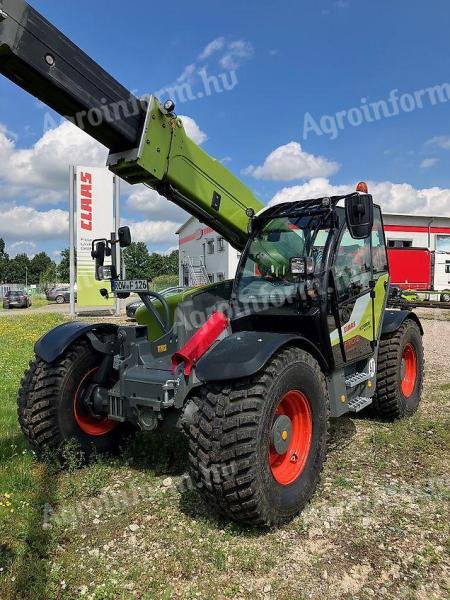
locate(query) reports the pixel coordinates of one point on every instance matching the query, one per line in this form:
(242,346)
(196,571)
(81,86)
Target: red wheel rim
(86,422)
(287,467)
(408,370)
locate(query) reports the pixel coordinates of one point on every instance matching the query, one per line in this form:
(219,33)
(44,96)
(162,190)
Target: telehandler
(300,336)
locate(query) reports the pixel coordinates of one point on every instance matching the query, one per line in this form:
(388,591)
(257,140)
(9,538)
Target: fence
(6,287)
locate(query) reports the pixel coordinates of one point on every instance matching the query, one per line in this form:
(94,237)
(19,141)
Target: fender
(393,320)
(245,353)
(56,341)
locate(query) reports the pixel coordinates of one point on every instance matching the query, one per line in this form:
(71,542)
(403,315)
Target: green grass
(25,486)
(120,532)
(39,300)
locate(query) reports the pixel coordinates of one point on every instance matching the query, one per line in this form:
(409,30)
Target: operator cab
(317,269)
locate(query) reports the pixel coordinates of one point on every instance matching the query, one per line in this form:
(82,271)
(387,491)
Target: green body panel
(198,176)
(143,317)
(170,162)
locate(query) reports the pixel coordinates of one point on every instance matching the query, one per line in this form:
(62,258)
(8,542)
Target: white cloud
(439,141)
(428,162)
(22,247)
(148,202)
(290,162)
(219,53)
(342,4)
(187,73)
(193,130)
(153,232)
(211,48)
(40,173)
(393,197)
(236,53)
(25,223)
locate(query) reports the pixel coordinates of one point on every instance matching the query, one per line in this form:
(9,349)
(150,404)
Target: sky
(300,99)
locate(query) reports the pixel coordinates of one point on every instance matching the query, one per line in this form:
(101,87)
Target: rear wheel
(399,372)
(445,297)
(50,406)
(59,299)
(257,446)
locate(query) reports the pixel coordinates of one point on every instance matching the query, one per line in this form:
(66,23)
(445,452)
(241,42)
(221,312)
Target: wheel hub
(281,434)
(290,437)
(408,370)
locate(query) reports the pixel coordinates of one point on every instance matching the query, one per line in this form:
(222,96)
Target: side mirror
(99,254)
(359,215)
(124,236)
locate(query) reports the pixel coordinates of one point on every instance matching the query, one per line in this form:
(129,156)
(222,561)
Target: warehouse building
(206,257)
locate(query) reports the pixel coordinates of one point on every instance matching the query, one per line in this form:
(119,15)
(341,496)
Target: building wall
(203,245)
(421,231)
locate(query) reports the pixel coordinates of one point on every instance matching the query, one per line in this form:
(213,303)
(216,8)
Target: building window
(210,246)
(447,266)
(220,276)
(220,244)
(211,277)
(443,243)
(399,243)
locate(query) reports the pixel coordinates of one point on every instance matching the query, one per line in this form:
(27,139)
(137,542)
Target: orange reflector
(362,187)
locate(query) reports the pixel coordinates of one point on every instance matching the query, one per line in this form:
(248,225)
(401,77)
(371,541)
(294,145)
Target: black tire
(59,299)
(230,439)
(390,402)
(445,297)
(45,403)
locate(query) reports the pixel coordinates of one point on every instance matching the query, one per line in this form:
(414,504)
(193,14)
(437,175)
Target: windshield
(265,274)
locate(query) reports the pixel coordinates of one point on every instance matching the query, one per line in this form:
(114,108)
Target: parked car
(171,291)
(59,295)
(16,299)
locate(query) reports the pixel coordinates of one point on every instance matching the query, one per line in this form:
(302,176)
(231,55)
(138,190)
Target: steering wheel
(164,323)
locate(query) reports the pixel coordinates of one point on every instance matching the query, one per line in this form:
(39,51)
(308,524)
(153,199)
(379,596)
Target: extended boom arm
(147,143)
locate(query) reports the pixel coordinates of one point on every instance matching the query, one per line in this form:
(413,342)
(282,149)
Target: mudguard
(393,320)
(56,341)
(245,353)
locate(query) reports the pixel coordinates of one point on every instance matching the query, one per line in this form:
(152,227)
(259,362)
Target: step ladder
(358,403)
(353,380)
(198,275)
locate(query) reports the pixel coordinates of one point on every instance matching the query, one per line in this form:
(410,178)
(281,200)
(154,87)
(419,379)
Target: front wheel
(60,299)
(257,446)
(400,372)
(50,406)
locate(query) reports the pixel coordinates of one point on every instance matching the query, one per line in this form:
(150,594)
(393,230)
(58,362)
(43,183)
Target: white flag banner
(94,201)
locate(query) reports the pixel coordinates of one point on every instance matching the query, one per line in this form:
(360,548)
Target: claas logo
(349,326)
(86,201)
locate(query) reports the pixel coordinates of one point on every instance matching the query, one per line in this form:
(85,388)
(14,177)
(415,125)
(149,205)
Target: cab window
(352,266)
(379,255)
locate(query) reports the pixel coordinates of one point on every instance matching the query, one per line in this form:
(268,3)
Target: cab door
(361,280)
(354,318)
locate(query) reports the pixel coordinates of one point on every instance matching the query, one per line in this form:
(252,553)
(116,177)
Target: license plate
(130,285)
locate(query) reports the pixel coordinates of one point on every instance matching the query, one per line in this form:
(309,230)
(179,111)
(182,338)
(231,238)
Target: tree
(4,262)
(49,277)
(63,268)
(17,269)
(38,264)
(157,264)
(172,263)
(137,261)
